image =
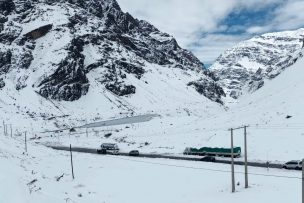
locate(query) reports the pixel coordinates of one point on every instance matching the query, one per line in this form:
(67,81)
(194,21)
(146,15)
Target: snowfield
(274,114)
(31,178)
(85,73)
(271,136)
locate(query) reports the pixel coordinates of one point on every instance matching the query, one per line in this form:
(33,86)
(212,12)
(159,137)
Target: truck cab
(108,148)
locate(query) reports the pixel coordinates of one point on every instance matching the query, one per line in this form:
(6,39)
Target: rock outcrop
(71,44)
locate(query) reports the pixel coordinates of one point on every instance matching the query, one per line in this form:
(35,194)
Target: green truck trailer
(213,151)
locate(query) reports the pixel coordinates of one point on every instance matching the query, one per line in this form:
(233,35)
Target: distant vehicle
(209,151)
(134,153)
(208,159)
(295,164)
(101,151)
(108,148)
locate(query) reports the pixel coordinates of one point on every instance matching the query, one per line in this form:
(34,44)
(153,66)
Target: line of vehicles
(208,154)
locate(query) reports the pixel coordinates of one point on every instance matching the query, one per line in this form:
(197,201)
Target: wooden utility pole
(302,180)
(232,163)
(246,164)
(4,128)
(25,141)
(72,161)
(11,130)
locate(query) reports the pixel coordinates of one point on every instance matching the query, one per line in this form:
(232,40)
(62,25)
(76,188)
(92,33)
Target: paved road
(164,156)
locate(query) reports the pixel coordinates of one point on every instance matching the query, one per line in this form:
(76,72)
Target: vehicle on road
(295,164)
(208,159)
(108,148)
(134,153)
(101,151)
(210,151)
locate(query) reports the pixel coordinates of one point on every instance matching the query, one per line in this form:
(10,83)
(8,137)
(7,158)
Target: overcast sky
(208,27)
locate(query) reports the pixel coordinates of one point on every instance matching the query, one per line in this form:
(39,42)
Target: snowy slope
(33,177)
(247,66)
(274,114)
(64,63)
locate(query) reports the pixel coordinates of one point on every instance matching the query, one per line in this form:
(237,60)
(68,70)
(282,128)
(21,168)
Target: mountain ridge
(90,56)
(245,67)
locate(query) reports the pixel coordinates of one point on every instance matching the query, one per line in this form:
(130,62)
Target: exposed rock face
(245,67)
(39,32)
(6,7)
(69,82)
(5,61)
(209,89)
(121,89)
(68,45)
(2,83)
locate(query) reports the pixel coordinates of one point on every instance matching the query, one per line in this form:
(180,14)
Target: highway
(165,156)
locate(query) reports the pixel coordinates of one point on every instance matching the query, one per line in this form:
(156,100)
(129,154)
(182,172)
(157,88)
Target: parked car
(108,148)
(295,164)
(208,159)
(134,153)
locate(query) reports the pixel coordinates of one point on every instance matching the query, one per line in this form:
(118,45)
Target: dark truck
(108,148)
(210,151)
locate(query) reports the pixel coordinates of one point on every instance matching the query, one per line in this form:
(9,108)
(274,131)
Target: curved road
(164,156)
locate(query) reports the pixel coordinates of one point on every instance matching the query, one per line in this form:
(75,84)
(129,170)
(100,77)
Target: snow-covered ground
(185,118)
(114,179)
(272,135)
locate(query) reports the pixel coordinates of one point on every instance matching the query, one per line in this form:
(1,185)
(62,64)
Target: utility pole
(4,128)
(11,130)
(72,161)
(25,141)
(5,131)
(87,132)
(302,180)
(246,163)
(232,163)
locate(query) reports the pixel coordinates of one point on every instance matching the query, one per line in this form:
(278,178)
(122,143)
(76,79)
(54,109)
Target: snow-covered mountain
(274,114)
(245,67)
(89,59)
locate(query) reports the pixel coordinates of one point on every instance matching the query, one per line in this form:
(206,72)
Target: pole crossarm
(237,128)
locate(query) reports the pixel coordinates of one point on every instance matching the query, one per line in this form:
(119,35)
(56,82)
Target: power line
(205,169)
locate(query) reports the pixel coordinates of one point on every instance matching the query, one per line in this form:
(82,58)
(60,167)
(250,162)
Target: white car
(295,164)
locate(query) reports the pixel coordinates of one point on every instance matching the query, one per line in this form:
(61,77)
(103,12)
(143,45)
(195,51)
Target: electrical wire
(206,169)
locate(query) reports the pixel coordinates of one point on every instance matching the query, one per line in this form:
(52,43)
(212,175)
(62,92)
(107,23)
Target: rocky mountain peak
(69,50)
(245,67)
